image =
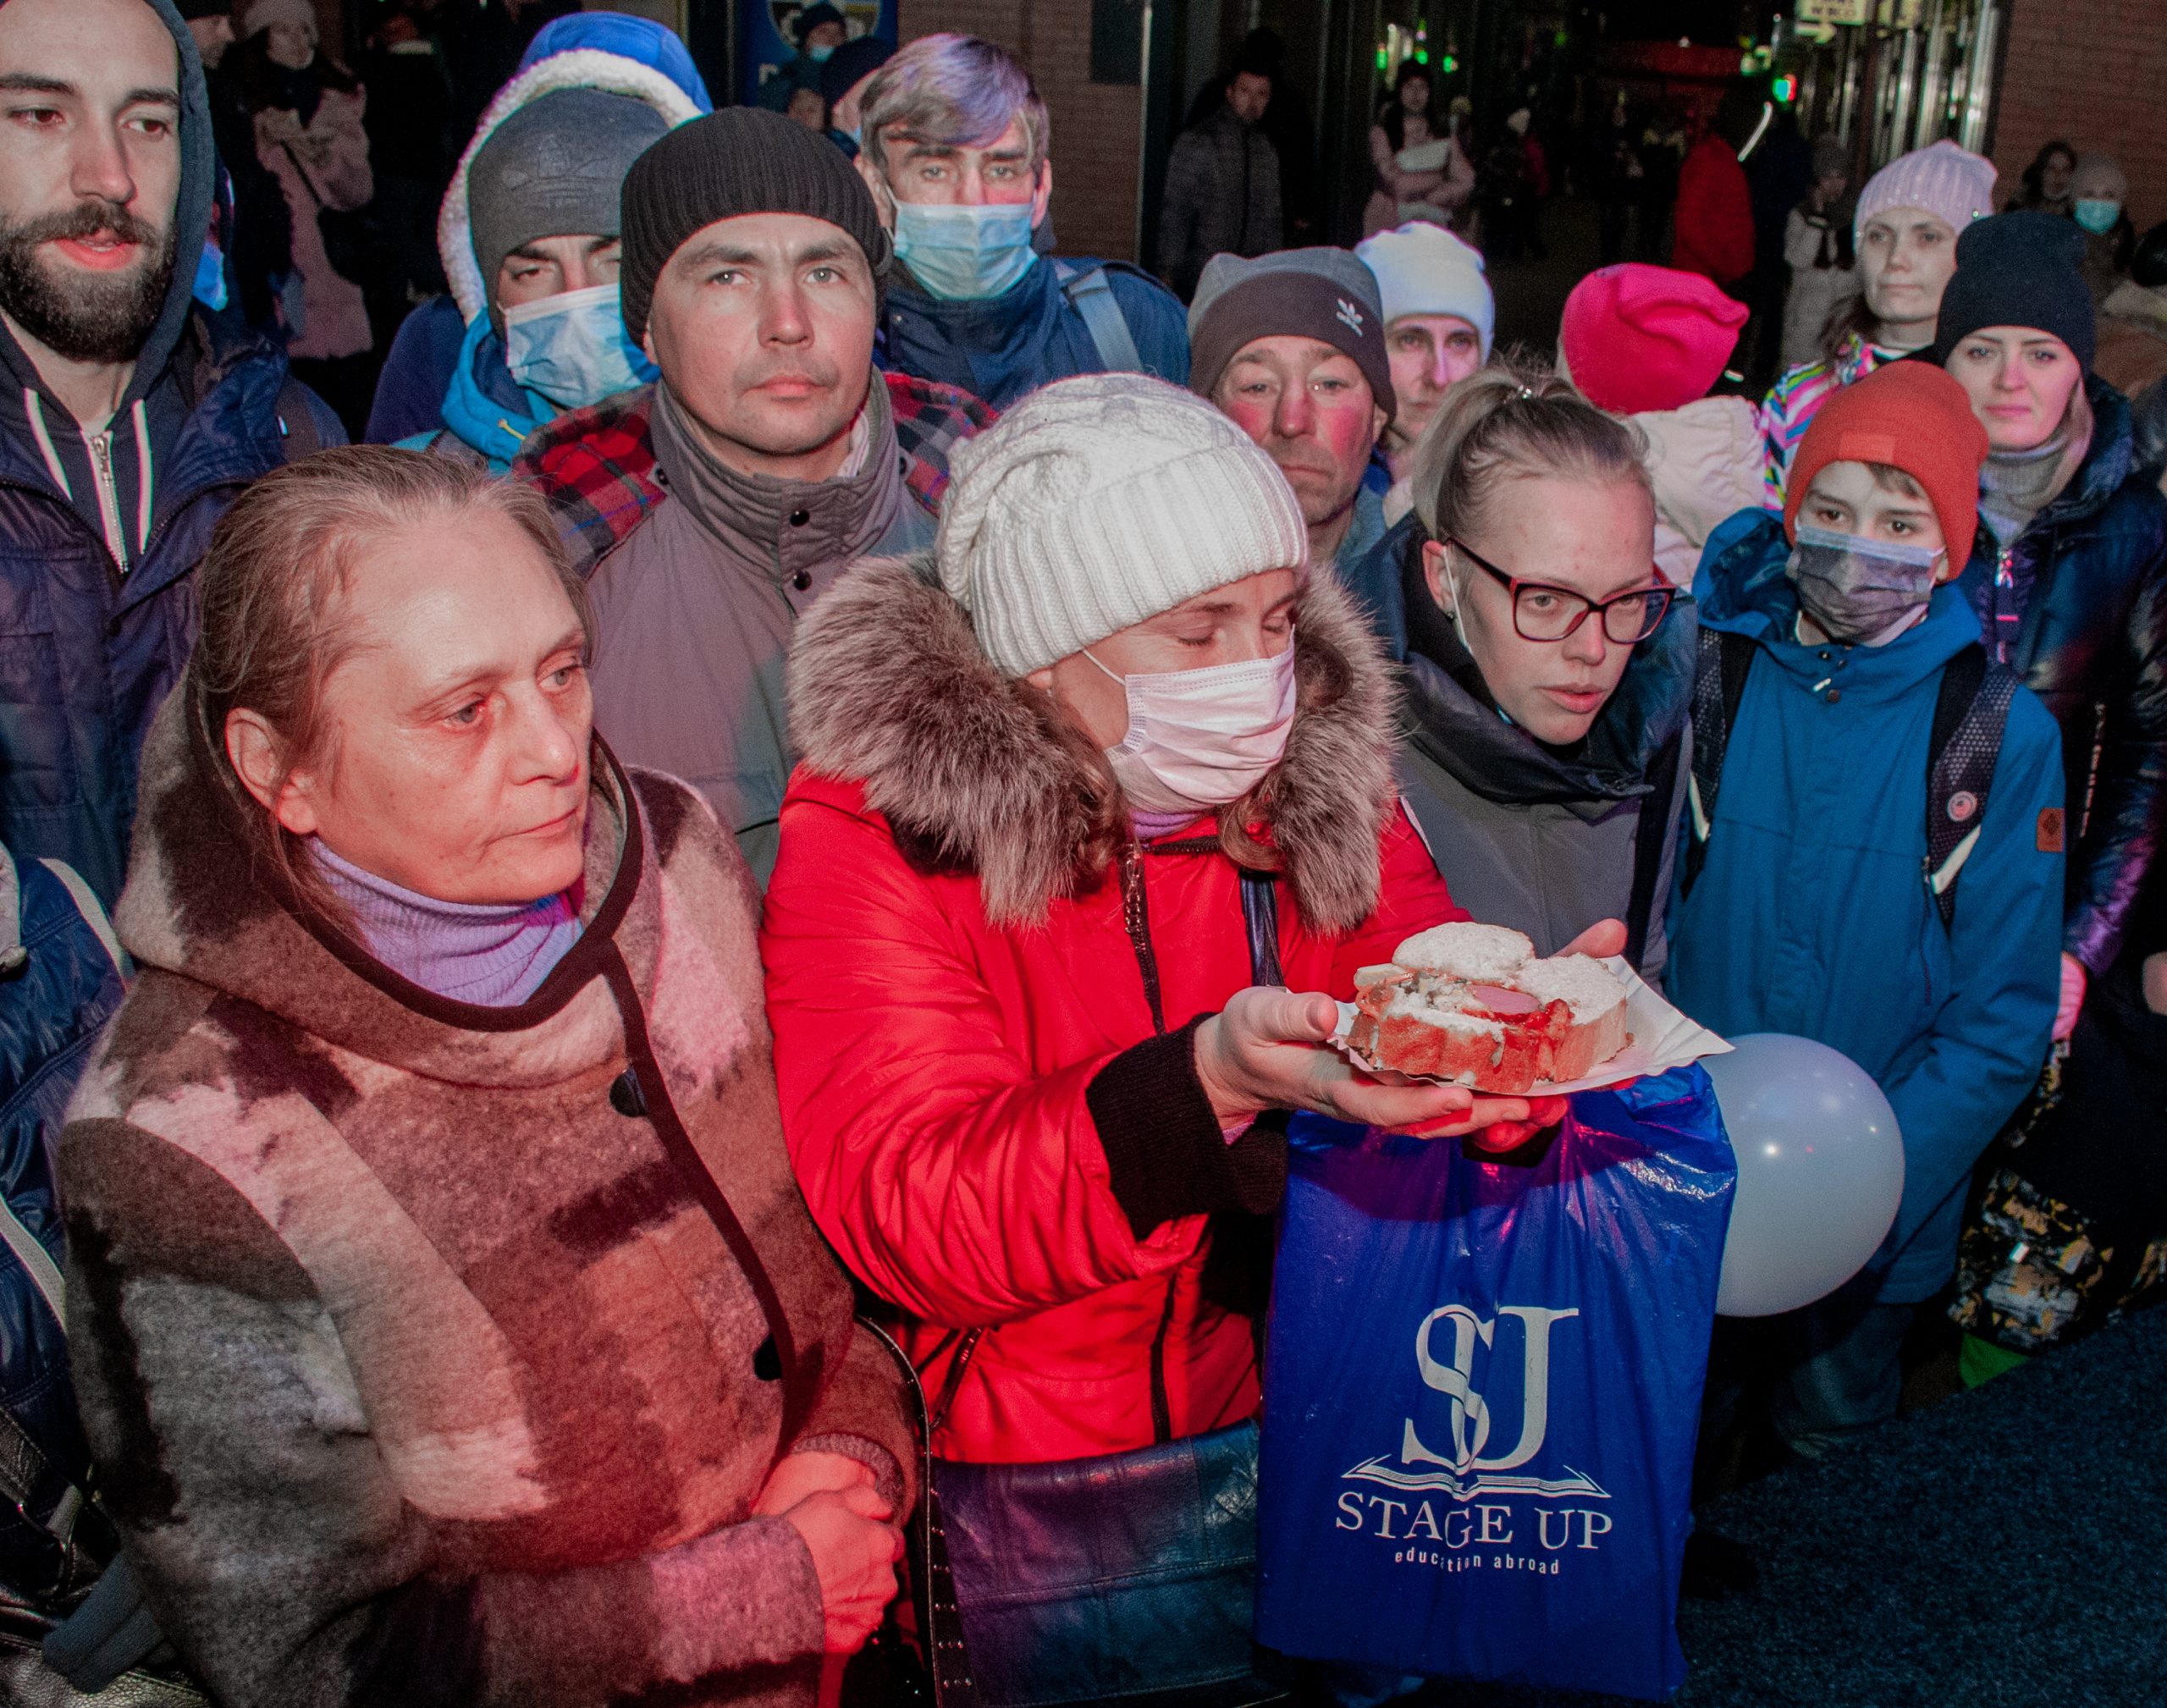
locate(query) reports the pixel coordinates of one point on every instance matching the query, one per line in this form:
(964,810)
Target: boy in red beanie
(1855,755)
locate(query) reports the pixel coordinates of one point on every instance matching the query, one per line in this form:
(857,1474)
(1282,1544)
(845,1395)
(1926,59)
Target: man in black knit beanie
(710,510)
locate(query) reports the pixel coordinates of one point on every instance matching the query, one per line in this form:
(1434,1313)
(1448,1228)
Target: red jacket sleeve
(951,1178)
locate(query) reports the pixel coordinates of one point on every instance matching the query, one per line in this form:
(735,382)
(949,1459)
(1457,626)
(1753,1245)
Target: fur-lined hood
(889,688)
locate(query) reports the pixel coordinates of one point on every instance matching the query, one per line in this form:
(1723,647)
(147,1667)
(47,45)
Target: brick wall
(2091,72)
(1097,128)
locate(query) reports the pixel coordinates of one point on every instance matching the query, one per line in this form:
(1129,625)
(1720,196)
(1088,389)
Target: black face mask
(1856,589)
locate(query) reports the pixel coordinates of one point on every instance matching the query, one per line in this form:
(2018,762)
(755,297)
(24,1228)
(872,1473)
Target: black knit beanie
(2018,269)
(741,160)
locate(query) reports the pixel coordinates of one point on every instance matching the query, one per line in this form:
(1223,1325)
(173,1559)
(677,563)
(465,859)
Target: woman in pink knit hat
(1651,343)
(1909,216)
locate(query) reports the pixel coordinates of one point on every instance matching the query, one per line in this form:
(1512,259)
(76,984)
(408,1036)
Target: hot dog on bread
(1472,1004)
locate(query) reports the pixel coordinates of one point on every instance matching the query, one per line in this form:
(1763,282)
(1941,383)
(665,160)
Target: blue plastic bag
(1482,1392)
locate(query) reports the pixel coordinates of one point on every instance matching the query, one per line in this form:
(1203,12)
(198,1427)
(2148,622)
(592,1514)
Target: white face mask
(572,348)
(1199,739)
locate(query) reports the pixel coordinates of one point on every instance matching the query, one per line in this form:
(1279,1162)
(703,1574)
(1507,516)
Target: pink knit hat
(1641,338)
(1944,180)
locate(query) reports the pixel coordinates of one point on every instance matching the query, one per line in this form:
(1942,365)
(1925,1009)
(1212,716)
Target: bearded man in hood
(131,415)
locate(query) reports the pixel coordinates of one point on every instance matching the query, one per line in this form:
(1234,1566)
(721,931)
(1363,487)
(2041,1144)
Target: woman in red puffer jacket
(1027,1082)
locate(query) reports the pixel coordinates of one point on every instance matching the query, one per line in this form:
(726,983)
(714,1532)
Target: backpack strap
(1649,833)
(1971,710)
(1090,293)
(93,915)
(112,1630)
(1260,919)
(1720,669)
(14,1234)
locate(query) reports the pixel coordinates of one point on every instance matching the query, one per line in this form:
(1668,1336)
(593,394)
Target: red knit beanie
(1647,337)
(1909,416)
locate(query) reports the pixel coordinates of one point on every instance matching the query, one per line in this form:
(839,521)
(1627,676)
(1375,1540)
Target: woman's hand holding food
(1270,1049)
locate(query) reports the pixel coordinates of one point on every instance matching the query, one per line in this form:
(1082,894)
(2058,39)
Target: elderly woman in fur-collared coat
(447,1324)
(1021,1059)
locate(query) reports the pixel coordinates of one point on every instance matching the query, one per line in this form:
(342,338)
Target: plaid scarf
(596,465)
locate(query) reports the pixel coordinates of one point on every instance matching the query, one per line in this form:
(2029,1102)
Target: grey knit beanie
(1100,501)
(1321,293)
(555,168)
(741,160)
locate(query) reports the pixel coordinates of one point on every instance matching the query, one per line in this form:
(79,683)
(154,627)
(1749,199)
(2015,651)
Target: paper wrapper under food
(1661,1039)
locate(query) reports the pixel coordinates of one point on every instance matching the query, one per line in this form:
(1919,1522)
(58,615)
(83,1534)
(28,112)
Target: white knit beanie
(1422,268)
(1100,501)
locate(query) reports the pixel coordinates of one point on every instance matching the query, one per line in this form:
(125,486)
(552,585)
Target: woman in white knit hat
(1078,789)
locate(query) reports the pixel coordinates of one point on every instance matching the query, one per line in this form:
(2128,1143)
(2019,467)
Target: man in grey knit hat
(711,509)
(1292,347)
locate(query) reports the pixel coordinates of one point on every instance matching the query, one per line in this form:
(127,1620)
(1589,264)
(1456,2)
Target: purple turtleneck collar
(495,955)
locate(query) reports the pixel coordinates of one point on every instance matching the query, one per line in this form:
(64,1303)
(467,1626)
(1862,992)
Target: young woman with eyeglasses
(1548,665)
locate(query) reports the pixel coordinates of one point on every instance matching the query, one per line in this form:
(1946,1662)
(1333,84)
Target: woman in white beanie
(1078,791)
(1439,317)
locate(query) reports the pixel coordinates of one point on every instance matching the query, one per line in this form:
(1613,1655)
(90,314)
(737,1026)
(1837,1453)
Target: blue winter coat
(55,998)
(487,411)
(1812,915)
(87,654)
(1009,345)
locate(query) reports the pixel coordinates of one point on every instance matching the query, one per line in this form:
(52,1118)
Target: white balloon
(1820,1170)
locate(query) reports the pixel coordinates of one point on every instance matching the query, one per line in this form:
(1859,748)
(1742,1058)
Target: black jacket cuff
(1165,1154)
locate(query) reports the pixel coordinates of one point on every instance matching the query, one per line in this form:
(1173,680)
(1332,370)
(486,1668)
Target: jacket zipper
(1136,917)
(2004,583)
(115,541)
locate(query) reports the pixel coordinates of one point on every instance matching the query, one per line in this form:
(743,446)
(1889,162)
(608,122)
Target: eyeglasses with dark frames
(1541,612)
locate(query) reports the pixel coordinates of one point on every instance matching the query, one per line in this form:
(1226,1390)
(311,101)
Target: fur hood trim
(889,688)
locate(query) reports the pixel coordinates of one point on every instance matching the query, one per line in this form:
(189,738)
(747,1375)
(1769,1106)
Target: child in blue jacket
(1805,903)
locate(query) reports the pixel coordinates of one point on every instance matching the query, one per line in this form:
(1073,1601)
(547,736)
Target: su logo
(1453,1376)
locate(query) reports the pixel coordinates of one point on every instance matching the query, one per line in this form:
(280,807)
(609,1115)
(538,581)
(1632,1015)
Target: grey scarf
(787,532)
(2016,486)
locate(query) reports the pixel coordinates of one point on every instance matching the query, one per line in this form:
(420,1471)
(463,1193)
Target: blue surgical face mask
(965,254)
(818,56)
(2096,213)
(571,348)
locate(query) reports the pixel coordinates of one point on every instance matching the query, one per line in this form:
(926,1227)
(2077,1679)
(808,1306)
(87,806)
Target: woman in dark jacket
(2068,575)
(1546,761)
